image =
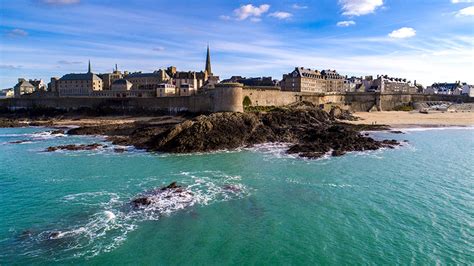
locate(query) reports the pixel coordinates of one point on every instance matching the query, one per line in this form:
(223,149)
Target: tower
(89,69)
(208,62)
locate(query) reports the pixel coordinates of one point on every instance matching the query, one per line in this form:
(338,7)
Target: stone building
(388,84)
(7,93)
(109,78)
(444,88)
(334,81)
(79,84)
(313,81)
(186,90)
(38,84)
(23,87)
(148,81)
(53,84)
(194,79)
(121,85)
(166,90)
(253,82)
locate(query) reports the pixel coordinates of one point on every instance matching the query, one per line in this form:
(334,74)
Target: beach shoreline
(399,120)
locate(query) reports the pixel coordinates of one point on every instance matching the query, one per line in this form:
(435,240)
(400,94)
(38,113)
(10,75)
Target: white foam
(108,228)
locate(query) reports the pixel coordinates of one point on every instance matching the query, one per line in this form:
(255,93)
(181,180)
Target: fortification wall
(197,103)
(229,97)
(259,97)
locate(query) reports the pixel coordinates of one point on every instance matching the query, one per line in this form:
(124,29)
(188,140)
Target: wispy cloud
(297,6)
(359,7)
(17,33)
(346,23)
(251,11)
(60,2)
(461,1)
(468,11)
(402,33)
(159,49)
(65,62)
(281,15)
(9,67)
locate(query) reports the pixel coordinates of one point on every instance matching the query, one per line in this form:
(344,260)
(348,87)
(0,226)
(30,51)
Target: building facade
(79,84)
(312,81)
(23,87)
(148,81)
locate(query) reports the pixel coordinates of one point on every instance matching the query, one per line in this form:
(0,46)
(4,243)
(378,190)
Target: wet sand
(416,119)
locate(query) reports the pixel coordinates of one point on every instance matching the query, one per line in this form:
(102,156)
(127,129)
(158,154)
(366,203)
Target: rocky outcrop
(73,147)
(311,132)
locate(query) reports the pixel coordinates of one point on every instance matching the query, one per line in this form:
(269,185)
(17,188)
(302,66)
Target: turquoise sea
(410,205)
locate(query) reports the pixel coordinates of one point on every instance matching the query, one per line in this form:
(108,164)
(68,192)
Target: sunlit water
(410,205)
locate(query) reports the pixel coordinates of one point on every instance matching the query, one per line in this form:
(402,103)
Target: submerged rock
(166,197)
(74,147)
(58,132)
(18,141)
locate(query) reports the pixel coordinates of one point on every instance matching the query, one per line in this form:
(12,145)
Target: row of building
(170,82)
(160,83)
(329,81)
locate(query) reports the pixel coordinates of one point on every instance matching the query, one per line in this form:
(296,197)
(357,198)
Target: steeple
(89,69)
(208,62)
(116,68)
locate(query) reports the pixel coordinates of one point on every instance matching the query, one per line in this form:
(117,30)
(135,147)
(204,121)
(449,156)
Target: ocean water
(410,205)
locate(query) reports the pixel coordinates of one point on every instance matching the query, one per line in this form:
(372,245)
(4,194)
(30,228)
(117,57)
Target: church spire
(208,62)
(89,70)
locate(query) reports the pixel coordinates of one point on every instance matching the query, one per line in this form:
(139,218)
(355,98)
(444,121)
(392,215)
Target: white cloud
(296,6)
(345,23)
(224,17)
(281,15)
(17,33)
(468,11)
(359,7)
(250,11)
(403,33)
(61,2)
(461,1)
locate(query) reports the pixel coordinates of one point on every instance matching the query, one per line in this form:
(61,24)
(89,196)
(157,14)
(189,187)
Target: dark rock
(57,132)
(119,150)
(8,123)
(54,235)
(171,186)
(18,141)
(312,132)
(337,153)
(73,147)
(232,188)
(143,201)
(396,132)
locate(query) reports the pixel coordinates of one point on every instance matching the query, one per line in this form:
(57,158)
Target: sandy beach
(416,119)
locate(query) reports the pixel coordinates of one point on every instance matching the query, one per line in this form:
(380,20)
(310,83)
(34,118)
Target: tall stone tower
(208,62)
(89,70)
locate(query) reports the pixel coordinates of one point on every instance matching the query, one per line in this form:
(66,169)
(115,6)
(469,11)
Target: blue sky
(426,40)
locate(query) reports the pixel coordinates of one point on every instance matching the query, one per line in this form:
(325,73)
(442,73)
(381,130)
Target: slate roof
(121,82)
(24,83)
(82,76)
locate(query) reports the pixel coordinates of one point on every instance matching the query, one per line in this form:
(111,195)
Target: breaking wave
(116,216)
